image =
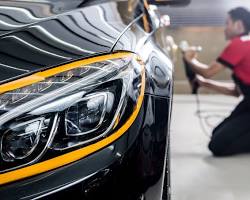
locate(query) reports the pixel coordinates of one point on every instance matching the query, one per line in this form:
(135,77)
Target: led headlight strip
(73,156)
(41,76)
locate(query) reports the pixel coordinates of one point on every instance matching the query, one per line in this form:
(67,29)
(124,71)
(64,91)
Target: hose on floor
(204,117)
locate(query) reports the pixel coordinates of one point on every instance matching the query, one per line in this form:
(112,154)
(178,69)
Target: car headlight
(64,109)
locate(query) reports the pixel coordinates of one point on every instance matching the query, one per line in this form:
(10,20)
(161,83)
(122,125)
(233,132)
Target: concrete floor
(196,175)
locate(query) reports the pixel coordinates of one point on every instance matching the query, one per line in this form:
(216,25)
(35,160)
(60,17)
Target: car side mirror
(169,2)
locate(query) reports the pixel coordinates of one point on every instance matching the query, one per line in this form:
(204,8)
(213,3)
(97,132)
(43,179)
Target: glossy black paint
(57,39)
(170,2)
(133,167)
(158,65)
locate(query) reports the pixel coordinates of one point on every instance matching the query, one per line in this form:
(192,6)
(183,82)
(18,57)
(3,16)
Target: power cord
(191,76)
(198,114)
(204,120)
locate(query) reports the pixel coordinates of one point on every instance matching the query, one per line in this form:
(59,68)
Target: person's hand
(201,80)
(190,54)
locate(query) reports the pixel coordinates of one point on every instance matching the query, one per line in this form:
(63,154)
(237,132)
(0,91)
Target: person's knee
(213,148)
(217,148)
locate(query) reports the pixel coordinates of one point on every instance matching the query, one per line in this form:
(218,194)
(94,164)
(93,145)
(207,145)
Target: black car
(85,101)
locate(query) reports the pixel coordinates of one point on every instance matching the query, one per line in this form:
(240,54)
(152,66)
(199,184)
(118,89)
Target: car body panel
(58,39)
(133,167)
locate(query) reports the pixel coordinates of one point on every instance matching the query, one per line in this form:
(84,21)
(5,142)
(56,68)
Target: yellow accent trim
(116,121)
(73,156)
(145,23)
(41,76)
(146,4)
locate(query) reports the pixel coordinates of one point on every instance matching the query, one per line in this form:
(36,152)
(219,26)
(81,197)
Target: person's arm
(224,88)
(202,69)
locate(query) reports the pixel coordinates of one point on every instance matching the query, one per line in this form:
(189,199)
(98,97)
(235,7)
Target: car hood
(35,36)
